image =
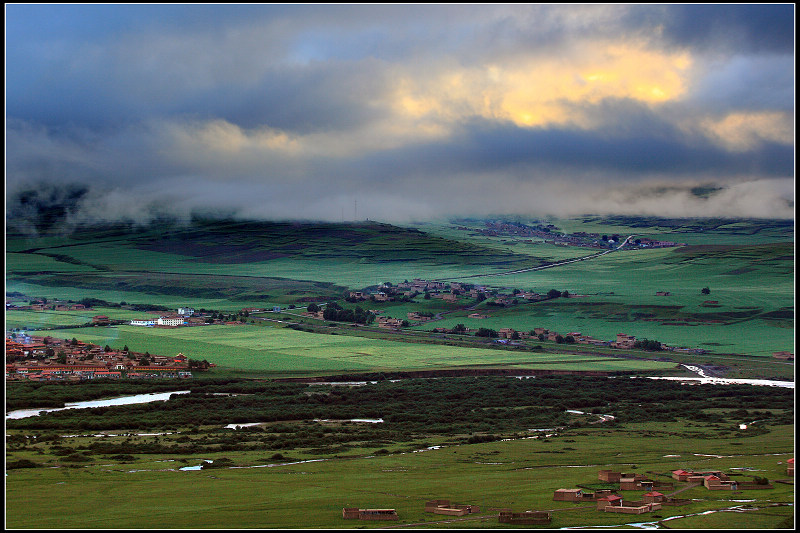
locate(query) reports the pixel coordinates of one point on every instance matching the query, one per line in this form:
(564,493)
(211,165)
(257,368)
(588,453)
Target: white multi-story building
(144,322)
(171,321)
(185,311)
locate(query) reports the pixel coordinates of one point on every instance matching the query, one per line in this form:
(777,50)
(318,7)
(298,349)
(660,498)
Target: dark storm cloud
(634,142)
(325,96)
(754,28)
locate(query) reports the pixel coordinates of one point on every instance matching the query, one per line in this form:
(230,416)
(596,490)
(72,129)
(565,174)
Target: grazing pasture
(471,440)
(228,265)
(280,351)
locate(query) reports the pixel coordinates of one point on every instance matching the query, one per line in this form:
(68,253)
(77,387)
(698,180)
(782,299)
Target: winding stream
(122,400)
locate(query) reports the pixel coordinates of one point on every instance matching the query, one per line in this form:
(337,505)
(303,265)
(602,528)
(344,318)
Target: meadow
(279,475)
(278,351)
(470,440)
(747,265)
(520,475)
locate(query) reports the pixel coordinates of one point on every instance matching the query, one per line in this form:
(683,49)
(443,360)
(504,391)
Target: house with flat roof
(351,513)
(444,507)
(524,518)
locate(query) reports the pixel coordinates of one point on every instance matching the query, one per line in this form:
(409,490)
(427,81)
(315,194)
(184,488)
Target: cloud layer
(405,111)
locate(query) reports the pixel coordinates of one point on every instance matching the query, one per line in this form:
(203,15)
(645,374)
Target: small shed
(525,517)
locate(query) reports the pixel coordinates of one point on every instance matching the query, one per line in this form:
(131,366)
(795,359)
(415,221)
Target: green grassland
(262,489)
(279,351)
(26,319)
(520,475)
(227,265)
(295,470)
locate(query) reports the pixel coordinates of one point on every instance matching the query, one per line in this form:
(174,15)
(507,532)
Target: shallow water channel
(122,400)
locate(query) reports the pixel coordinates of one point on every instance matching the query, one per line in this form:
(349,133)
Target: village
(550,235)
(607,500)
(454,292)
(49,358)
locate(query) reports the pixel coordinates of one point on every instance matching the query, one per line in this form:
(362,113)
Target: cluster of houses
(610,502)
(42,305)
(445,507)
(712,480)
(550,235)
(435,289)
(51,359)
(606,500)
(622,341)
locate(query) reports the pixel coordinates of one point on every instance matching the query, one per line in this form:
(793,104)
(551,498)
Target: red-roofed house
(653,497)
(790,467)
(712,482)
(681,475)
(606,501)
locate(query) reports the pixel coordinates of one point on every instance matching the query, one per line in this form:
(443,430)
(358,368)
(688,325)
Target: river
(122,400)
(704,379)
(163,396)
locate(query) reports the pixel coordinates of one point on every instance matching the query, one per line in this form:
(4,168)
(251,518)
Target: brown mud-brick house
(605,501)
(653,497)
(615,504)
(579,495)
(715,483)
(568,495)
(369,514)
(506,333)
(444,507)
(389,322)
(698,477)
(681,475)
(635,483)
(610,476)
(525,517)
(624,341)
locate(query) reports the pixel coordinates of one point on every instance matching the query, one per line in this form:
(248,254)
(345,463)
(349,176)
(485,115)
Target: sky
(400,112)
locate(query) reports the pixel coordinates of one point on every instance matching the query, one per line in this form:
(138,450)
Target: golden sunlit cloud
(546,91)
(744,131)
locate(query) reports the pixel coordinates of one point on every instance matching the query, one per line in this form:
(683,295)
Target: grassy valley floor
(521,474)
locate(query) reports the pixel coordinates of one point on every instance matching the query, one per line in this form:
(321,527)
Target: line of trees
(648,345)
(334,312)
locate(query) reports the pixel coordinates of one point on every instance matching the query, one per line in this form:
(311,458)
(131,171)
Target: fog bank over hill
(46,206)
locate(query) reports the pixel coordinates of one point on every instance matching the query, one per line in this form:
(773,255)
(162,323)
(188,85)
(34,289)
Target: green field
(520,475)
(467,439)
(283,351)
(748,265)
(150,492)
